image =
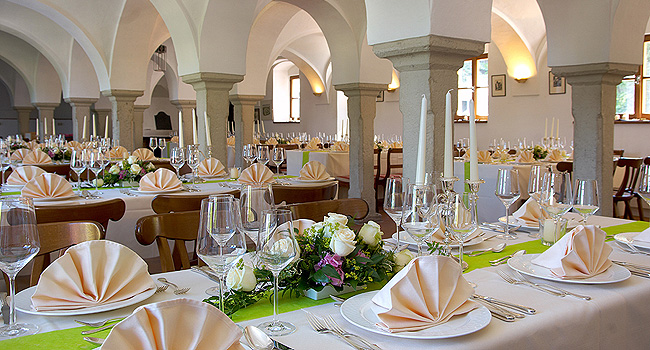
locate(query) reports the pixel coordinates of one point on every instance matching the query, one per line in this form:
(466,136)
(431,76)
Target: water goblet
(507,190)
(263,154)
(162,144)
(5,162)
(278,157)
(192,159)
(177,159)
(393,202)
(249,153)
(644,183)
(420,216)
(96,161)
(586,199)
(463,221)
(78,165)
(556,196)
(253,200)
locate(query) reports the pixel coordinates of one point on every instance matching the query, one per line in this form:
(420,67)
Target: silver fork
(127,192)
(98,323)
(545,285)
(329,320)
(177,290)
(319,327)
(161,289)
(511,280)
(632,249)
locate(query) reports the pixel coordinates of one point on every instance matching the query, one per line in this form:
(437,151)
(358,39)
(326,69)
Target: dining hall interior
(169,105)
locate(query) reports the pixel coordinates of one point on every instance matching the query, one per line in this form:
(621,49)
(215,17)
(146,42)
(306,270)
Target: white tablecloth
(336,163)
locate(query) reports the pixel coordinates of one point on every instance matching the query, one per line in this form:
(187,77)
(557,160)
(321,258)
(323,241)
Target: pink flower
(361,254)
(336,262)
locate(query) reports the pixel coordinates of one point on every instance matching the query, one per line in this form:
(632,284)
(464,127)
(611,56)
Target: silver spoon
(505,258)
(496,249)
(94,340)
(257,339)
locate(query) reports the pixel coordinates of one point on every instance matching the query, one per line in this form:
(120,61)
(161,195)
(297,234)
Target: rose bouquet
(539,152)
(57,153)
(130,169)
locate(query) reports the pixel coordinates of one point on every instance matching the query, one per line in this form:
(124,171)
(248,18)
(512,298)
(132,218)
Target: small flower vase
(329,290)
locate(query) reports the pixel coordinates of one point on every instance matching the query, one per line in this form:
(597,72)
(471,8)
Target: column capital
(45,105)
(209,80)
(122,95)
(361,89)
(184,103)
(609,73)
(428,52)
(245,100)
(80,101)
(140,108)
(23,108)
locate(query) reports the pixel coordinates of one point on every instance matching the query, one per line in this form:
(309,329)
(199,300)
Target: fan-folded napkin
(24,174)
(340,146)
(483,156)
(643,236)
(555,156)
(428,292)
(231,141)
(211,167)
(144,154)
(37,157)
(90,274)
(272,141)
(581,253)
(312,144)
(526,157)
(530,212)
(118,152)
(160,180)
(175,324)
(256,174)
(33,144)
(314,170)
(47,186)
(295,141)
(73,145)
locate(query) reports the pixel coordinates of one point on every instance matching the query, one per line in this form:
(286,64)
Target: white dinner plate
(215,177)
(12,188)
(406,238)
(156,192)
(570,224)
(362,312)
(523,264)
(297,179)
(629,237)
(24,304)
(56,199)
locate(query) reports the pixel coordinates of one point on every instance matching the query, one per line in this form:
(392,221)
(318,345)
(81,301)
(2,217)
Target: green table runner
(72,339)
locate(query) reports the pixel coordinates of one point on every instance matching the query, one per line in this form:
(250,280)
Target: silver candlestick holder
(446,210)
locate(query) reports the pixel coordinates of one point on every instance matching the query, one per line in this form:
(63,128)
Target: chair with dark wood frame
(626,191)
(166,203)
(294,194)
(356,208)
(100,212)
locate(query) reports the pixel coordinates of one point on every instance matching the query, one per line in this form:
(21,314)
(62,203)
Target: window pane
(482,77)
(645,97)
(464,95)
(465,75)
(625,97)
(646,59)
(295,87)
(295,110)
(482,101)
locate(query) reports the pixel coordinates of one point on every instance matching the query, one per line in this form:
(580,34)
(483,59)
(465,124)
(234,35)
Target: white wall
(158,104)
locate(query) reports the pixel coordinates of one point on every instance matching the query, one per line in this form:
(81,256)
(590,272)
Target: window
(294,95)
(286,92)
(633,93)
(473,83)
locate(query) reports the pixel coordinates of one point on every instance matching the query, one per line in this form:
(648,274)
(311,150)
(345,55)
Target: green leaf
(330,271)
(320,277)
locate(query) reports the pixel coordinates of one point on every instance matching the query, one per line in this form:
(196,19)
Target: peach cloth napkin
(24,174)
(118,152)
(175,324)
(174,139)
(33,144)
(256,174)
(581,253)
(439,235)
(526,157)
(295,141)
(643,236)
(20,153)
(484,156)
(74,145)
(211,167)
(531,212)
(37,157)
(272,141)
(143,154)
(426,293)
(231,141)
(92,273)
(160,180)
(47,186)
(555,156)
(340,147)
(312,144)
(313,170)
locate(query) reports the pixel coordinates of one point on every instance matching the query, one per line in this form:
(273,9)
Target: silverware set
(127,192)
(628,247)
(328,325)
(504,259)
(503,310)
(544,287)
(177,289)
(635,269)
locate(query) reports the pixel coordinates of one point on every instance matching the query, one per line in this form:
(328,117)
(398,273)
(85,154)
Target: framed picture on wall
(556,85)
(498,85)
(380,96)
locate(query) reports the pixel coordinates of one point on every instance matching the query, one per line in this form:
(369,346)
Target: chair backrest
(100,212)
(162,164)
(646,160)
(166,203)
(619,152)
(357,208)
(293,194)
(180,227)
(632,169)
(565,167)
(58,236)
(377,153)
(288,146)
(60,169)
(393,161)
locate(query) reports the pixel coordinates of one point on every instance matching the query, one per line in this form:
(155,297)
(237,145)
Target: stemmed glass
(393,202)
(277,249)
(19,243)
(5,162)
(177,159)
(644,183)
(78,165)
(420,213)
(263,154)
(586,199)
(192,159)
(463,221)
(253,199)
(278,157)
(535,186)
(162,144)
(507,190)
(249,153)
(556,196)
(153,144)
(96,161)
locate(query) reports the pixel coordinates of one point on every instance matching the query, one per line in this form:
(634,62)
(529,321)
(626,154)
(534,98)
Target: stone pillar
(185,107)
(138,116)
(244,121)
(80,108)
(101,121)
(362,105)
(45,117)
(122,114)
(212,97)
(23,119)
(428,65)
(594,105)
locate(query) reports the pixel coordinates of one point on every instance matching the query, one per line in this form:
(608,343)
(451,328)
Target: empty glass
(177,159)
(556,196)
(249,153)
(263,154)
(192,159)
(507,190)
(535,181)
(5,162)
(153,144)
(644,183)
(96,162)
(162,144)
(393,202)
(420,213)
(586,199)
(463,220)
(278,157)
(253,199)
(78,165)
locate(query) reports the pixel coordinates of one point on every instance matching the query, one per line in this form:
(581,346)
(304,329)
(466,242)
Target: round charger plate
(362,312)
(156,192)
(24,303)
(406,238)
(628,237)
(523,264)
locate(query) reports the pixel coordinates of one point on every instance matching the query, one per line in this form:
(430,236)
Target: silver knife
(521,308)
(280,346)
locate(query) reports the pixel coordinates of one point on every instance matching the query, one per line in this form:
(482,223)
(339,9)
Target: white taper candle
(207,129)
(106,128)
(473,149)
(448,169)
(422,143)
(180,129)
(195,136)
(83,130)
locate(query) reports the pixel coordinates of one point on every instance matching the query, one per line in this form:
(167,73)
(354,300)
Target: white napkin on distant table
(47,186)
(483,156)
(272,141)
(160,180)
(73,145)
(144,154)
(211,167)
(24,174)
(313,144)
(526,157)
(256,174)
(580,253)
(426,293)
(37,157)
(118,152)
(313,170)
(340,146)
(555,156)
(231,141)
(530,212)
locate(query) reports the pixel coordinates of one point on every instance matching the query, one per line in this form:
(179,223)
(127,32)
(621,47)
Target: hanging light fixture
(160,59)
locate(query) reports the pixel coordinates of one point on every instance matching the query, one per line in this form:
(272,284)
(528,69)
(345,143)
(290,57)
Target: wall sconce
(394,84)
(522,73)
(317,94)
(521,80)
(318,90)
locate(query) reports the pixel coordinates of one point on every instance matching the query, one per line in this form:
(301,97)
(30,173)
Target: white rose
(241,279)
(115,169)
(334,218)
(150,166)
(283,247)
(132,159)
(402,258)
(98,182)
(343,242)
(370,233)
(135,169)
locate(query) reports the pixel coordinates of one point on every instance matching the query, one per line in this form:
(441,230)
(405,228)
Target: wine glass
(19,243)
(278,157)
(507,190)
(177,159)
(463,220)
(192,159)
(162,144)
(153,144)
(644,183)
(277,249)
(556,196)
(95,163)
(586,199)
(116,143)
(5,162)
(78,165)
(420,213)
(249,153)
(253,199)
(263,154)
(393,202)
(535,181)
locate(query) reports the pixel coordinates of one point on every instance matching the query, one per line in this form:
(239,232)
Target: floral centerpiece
(15,145)
(57,153)
(539,152)
(130,169)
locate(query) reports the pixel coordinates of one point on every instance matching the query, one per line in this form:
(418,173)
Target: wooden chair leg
(639,202)
(628,211)
(615,210)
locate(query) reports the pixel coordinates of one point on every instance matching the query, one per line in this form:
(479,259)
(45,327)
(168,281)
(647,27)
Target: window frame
(291,98)
(481,118)
(638,91)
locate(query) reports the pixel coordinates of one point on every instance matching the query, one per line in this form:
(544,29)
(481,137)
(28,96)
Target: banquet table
(616,317)
(336,163)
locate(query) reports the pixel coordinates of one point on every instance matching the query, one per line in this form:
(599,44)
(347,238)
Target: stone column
(594,105)
(428,65)
(244,115)
(138,116)
(23,119)
(101,121)
(185,107)
(212,97)
(80,108)
(45,117)
(362,105)
(122,114)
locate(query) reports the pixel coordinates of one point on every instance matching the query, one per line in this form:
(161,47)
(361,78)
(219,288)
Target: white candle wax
(53,127)
(83,132)
(449,125)
(94,125)
(263,129)
(422,143)
(45,127)
(473,149)
(180,129)
(106,128)
(38,133)
(195,137)
(207,129)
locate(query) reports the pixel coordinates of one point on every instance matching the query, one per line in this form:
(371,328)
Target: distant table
(336,163)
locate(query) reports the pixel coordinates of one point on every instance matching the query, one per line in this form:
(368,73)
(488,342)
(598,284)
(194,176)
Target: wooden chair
(100,212)
(294,194)
(626,191)
(565,167)
(619,152)
(180,227)
(393,163)
(646,160)
(165,203)
(357,208)
(60,169)
(344,181)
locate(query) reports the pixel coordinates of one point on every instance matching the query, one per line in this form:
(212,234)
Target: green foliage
(539,152)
